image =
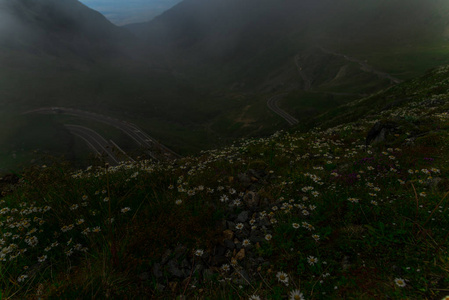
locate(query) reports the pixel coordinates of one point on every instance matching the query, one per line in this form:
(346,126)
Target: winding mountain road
(95,141)
(154,148)
(364,66)
(272,104)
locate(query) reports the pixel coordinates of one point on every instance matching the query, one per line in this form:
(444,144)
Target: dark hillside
(63,28)
(233,36)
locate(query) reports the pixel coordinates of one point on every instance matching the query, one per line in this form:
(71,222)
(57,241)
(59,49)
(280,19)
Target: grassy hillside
(315,214)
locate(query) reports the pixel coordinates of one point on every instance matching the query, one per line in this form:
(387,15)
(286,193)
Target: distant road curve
(158,151)
(95,141)
(272,104)
(364,66)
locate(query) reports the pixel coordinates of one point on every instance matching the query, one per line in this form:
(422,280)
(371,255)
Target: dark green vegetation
(199,75)
(310,210)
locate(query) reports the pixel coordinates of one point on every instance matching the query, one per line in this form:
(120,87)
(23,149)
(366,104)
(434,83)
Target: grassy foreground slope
(311,215)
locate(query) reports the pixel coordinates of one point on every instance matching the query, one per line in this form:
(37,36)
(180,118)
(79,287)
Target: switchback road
(364,66)
(95,141)
(272,104)
(153,147)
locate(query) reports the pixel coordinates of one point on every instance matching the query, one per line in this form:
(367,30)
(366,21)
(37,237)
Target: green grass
(28,139)
(404,62)
(432,85)
(303,105)
(345,222)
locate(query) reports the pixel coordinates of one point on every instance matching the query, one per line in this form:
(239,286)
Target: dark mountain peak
(63,15)
(58,28)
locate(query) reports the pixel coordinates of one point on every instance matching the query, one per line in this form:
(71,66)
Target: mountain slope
(59,28)
(235,37)
(196,23)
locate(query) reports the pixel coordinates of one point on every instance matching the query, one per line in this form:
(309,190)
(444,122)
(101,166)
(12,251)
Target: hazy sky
(123,12)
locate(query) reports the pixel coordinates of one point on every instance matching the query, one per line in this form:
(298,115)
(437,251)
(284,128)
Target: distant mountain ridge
(231,33)
(130,11)
(59,28)
(191,21)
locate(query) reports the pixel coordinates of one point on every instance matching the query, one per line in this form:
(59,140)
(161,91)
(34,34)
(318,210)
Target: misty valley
(201,80)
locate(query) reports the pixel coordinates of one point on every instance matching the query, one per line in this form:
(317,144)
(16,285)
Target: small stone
(223,223)
(238,246)
(240,255)
(258,174)
(435,183)
(172,285)
(244,179)
(242,234)
(242,217)
(256,237)
(218,260)
(230,225)
(144,276)
(179,251)
(185,264)
(264,222)
(244,275)
(198,268)
(229,244)
(205,255)
(379,132)
(172,268)
(251,199)
(160,287)
(228,234)
(157,270)
(166,256)
(220,250)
